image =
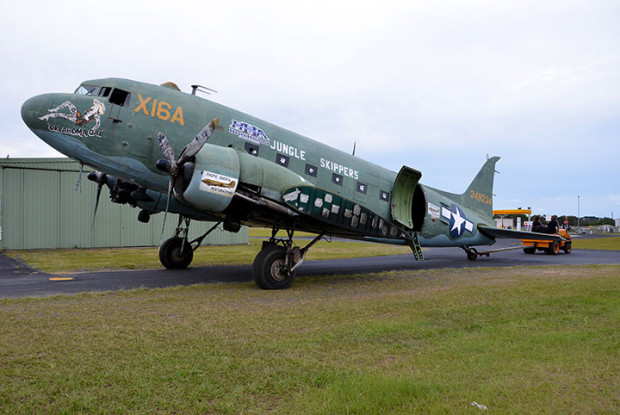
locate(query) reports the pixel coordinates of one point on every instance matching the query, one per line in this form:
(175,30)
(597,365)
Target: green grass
(517,340)
(608,243)
(75,260)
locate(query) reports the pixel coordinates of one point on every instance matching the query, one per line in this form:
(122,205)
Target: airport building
(42,206)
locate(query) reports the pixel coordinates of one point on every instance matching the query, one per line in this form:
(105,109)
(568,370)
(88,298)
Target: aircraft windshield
(101,91)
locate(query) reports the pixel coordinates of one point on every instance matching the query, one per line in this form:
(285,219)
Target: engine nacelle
(214,179)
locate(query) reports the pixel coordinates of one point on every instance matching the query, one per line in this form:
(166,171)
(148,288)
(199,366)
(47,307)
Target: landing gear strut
(178,252)
(275,265)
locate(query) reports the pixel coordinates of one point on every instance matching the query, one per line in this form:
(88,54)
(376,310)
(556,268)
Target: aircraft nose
(33,109)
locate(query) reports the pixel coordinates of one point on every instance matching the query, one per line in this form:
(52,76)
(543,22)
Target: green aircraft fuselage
(250,171)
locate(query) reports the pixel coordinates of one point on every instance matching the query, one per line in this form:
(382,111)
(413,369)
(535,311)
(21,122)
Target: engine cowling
(214,179)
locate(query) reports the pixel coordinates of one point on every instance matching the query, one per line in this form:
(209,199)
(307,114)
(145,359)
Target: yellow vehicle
(551,247)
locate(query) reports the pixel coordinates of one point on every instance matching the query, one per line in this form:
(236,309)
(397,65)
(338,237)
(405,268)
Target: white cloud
(433,84)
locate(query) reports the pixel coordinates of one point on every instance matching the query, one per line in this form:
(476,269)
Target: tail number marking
(481,198)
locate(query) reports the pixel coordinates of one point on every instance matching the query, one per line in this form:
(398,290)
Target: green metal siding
(40,208)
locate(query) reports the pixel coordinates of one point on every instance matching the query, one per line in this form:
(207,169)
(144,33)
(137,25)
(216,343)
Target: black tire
(268,269)
(529,250)
(568,247)
(170,254)
(554,248)
(472,256)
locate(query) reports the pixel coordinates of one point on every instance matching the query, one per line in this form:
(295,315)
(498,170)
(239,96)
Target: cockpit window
(120,97)
(101,91)
(88,90)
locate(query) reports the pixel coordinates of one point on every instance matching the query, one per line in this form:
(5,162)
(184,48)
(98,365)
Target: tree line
(572,220)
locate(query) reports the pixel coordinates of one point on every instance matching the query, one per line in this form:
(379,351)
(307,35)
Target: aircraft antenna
(203,89)
(354,146)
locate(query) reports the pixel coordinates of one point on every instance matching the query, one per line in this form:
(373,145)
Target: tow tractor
(550,247)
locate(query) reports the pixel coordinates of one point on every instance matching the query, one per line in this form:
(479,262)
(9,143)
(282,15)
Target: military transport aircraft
(240,170)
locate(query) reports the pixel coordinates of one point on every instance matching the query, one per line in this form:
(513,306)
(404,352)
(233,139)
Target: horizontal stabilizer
(493,233)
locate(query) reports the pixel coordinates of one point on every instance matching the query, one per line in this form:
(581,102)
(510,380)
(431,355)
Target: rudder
(479,194)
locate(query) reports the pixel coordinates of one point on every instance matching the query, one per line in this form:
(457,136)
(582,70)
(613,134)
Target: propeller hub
(163,165)
(97,177)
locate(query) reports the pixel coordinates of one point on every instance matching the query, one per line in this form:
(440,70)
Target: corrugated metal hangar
(41,208)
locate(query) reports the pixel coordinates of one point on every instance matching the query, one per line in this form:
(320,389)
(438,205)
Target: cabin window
(120,97)
(362,187)
(311,170)
(337,178)
(251,149)
(385,196)
(282,160)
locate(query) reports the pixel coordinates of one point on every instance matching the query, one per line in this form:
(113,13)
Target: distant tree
(608,221)
(595,221)
(572,220)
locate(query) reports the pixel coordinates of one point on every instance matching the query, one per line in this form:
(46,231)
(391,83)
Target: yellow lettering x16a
(160,109)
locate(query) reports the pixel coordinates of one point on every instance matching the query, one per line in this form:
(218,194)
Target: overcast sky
(436,85)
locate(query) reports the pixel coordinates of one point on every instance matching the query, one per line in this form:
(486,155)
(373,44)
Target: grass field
(606,243)
(517,340)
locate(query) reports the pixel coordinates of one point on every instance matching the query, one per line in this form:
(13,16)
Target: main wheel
(529,250)
(554,248)
(568,247)
(170,254)
(269,271)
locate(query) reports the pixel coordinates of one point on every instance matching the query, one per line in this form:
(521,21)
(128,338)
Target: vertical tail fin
(479,194)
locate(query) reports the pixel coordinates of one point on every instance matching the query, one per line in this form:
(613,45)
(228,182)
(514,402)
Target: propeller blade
(172,166)
(198,142)
(163,226)
(99,178)
(165,146)
(99,186)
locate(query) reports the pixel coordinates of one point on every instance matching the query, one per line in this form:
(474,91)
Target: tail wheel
(174,254)
(472,256)
(568,248)
(270,272)
(554,248)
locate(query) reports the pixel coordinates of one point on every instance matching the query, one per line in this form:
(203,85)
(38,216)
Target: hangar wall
(40,208)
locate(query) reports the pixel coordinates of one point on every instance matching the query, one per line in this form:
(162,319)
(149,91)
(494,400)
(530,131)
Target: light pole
(578,210)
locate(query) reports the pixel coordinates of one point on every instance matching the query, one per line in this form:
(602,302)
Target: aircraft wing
(491,232)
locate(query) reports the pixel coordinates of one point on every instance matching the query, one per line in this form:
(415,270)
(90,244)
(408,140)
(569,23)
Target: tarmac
(19,280)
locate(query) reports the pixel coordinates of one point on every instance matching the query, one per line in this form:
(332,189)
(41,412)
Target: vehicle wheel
(529,250)
(554,248)
(170,254)
(472,256)
(568,248)
(268,269)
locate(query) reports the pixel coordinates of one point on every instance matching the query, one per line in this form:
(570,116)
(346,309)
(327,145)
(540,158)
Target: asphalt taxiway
(17,280)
